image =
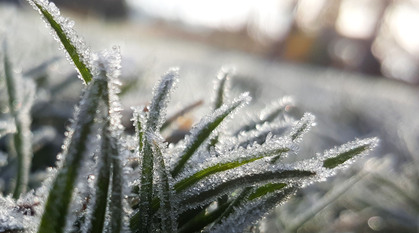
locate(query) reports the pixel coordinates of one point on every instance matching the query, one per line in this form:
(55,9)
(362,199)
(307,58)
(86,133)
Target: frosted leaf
(233,159)
(160,99)
(62,30)
(7,126)
(302,127)
(74,150)
(168,214)
(200,132)
(221,87)
(258,172)
(346,153)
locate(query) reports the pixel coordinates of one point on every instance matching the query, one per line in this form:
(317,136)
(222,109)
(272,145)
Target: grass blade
(160,99)
(220,167)
(206,196)
(168,215)
(201,132)
(58,201)
(221,88)
(68,41)
(348,151)
(21,140)
(97,218)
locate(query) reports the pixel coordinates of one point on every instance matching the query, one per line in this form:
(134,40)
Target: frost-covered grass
(215,179)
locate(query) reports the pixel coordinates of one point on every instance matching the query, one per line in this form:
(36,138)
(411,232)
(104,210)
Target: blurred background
(353,63)
(368,36)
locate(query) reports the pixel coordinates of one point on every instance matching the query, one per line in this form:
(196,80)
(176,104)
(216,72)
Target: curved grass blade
(97,218)
(159,102)
(265,189)
(62,32)
(146,189)
(220,167)
(302,126)
(58,201)
(206,196)
(204,129)
(21,141)
(115,224)
(340,155)
(221,88)
(168,215)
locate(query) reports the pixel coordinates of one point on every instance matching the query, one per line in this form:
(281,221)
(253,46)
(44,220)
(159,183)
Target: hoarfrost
(66,25)
(205,128)
(160,99)
(221,87)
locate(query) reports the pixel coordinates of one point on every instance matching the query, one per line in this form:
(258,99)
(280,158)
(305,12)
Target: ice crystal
(62,30)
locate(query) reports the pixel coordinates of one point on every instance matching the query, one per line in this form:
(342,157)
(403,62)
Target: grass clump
(213,180)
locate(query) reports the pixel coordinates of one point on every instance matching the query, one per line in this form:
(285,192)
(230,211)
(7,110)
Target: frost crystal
(62,30)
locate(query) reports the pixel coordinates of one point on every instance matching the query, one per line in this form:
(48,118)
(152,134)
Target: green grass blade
(266,189)
(65,39)
(221,87)
(247,180)
(159,102)
(21,141)
(55,213)
(338,156)
(146,189)
(168,216)
(302,126)
(220,167)
(116,198)
(204,129)
(97,218)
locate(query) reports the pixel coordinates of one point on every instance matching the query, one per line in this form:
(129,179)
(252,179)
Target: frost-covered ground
(346,106)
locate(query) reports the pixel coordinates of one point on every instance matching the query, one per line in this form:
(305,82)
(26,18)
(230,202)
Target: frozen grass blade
(302,126)
(348,151)
(266,189)
(168,216)
(21,141)
(204,129)
(153,124)
(220,167)
(97,218)
(58,201)
(246,180)
(161,97)
(116,207)
(221,87)
(51,15)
